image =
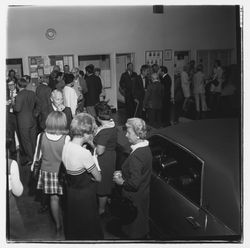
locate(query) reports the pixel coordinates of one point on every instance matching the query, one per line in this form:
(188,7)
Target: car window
(178,167)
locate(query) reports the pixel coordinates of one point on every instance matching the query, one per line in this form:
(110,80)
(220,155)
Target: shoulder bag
(38,162)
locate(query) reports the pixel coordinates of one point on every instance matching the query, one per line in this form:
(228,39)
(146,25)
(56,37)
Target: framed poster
(153,57)
(168,54)
(35,63)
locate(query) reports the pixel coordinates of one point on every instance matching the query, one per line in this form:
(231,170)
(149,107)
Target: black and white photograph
(123,124)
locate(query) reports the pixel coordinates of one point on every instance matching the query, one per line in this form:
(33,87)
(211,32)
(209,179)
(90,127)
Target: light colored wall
(109,30)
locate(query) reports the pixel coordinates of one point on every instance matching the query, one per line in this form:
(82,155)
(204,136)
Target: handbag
(123,208)
(38,162)
(62,174)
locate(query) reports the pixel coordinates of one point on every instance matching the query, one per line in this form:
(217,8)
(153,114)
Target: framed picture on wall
(153,57)
(168,54)
(35,62)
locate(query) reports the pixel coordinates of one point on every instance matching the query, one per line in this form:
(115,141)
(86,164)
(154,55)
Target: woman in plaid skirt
(53,140)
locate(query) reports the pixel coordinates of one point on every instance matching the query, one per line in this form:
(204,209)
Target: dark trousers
(27,140)
(166,110)
(154,117)
(215,103)
(138,110)
(11,128)
(130,106)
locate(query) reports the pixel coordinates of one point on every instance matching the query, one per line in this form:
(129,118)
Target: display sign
(153,57)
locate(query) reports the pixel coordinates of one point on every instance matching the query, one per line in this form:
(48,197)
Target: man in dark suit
(153,101)
(56,104)
(140,85)
(26,121)
(43,92)
(52,77)
(11,126)
(166,82)
(67,75)
(126,85)
(94,86)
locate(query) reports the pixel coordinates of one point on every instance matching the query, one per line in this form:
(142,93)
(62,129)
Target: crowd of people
(155,97)
(147,95)
(73,127)
(64,123)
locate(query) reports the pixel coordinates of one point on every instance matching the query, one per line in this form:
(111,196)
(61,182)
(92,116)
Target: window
(177,167)
(208,57)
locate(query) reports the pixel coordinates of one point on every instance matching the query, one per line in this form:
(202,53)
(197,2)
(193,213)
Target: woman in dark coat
(135,178)
(105,141)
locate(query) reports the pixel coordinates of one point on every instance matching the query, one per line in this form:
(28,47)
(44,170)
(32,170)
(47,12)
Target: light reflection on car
(196,186)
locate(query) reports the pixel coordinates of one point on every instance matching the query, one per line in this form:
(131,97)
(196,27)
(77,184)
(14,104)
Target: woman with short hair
(135,178)
(53,140)
(105,143)
(82,219)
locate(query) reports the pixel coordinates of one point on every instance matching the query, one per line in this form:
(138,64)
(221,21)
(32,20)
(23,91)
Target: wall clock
(50,33)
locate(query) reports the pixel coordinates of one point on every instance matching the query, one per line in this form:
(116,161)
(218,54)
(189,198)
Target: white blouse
(15,184)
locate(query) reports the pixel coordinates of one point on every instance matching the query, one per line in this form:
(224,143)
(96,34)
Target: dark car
(196,181)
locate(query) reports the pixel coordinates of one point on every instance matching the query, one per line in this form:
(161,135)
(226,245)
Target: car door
(176,190)
(176,194)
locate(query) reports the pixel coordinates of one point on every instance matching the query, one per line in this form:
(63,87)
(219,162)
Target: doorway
(122,60)
(181,58)
(16,65)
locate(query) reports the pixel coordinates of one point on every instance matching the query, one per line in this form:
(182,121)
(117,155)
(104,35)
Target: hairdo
(154,76)
(56,123)
(103,110)
(81,73)
(56,68)
(89,68)
(27,77)
(82,123)
(128,64)
(75,69)
(11,70)
(164,69)
(68,78)
(55,92)
(58,74)
(139,127)
(22,83)
(143,68)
